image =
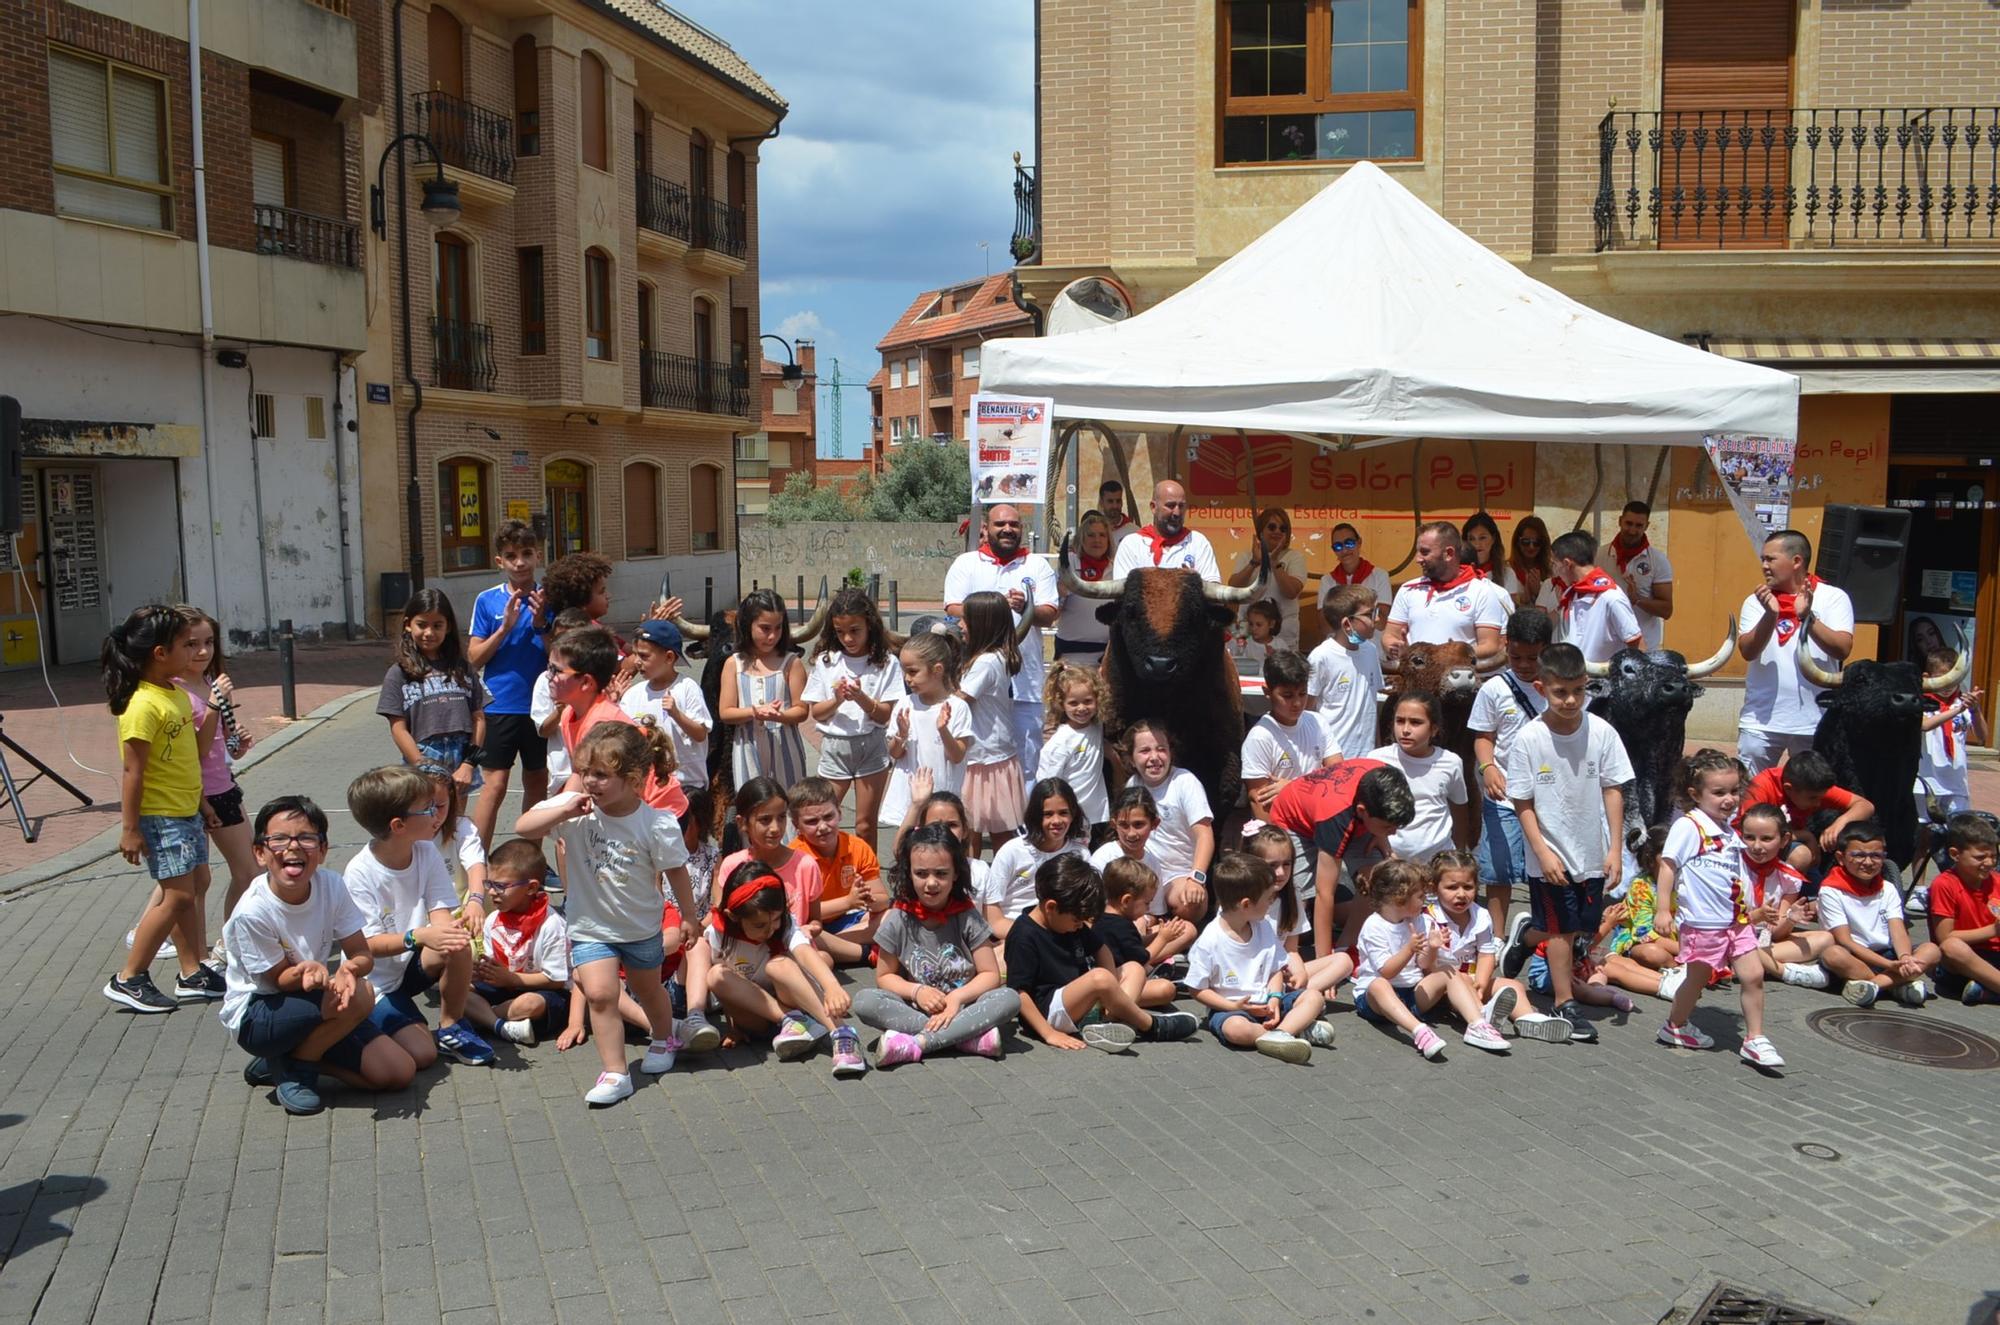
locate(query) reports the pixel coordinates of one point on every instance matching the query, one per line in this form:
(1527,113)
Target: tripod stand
(10,790)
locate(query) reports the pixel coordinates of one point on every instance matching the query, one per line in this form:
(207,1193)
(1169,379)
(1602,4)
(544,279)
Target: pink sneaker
(986,1045)
(896,1048)
(1428,1042)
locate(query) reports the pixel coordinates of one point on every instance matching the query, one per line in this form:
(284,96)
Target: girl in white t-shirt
(1402,973)
(1185,838)
(1052,826)
(1073,740)
(930,728)
(1703,885)
(1274,846)
(994,795)
(1471,951)
(458,840)
(851,692)
(1436,777)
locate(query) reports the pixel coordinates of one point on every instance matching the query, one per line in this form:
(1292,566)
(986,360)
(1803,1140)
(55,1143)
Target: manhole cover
(1731,1305)
(1908,1039)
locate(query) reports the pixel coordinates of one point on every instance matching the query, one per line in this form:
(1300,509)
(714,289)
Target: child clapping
(1254,989)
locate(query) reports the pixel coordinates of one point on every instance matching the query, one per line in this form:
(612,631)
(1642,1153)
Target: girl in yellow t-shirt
(160,800)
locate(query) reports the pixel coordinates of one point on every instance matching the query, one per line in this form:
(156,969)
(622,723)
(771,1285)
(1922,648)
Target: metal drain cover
(1728,1304)
(1907,1039)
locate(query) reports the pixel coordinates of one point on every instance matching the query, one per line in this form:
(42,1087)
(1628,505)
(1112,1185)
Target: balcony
(289,233)
(462,355)
(696,386)
(666,219)
(468,137)
(721,237)
(1026,246)
(1805,178)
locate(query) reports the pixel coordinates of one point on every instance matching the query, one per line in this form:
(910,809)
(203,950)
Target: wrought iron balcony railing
(1026,245)
(296,234)
(681,381)
(468,136)
(1914,176)
(462,355)
(721,227)
(663,207)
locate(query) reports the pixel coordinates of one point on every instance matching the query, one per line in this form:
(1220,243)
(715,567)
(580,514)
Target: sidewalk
(76,728)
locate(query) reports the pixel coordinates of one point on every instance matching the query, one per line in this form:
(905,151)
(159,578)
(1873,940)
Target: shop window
(1320,80)
(597,304)
(642,509)
(108,134)
(596,114)
(566,483)
(705,508)
(465,516)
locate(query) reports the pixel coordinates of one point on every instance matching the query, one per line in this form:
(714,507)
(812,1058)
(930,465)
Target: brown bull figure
(1453,674)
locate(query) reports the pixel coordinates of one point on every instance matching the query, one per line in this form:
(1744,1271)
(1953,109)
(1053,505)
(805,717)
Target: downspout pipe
(341,369)
(413,497)
(207,350)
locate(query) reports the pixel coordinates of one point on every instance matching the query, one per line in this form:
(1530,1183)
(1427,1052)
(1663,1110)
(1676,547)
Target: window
(566,483)
(969,361)
(462,514)
(527,100)
(107,125)
(534,312)
(896,373)
(705,505)
(642,509)
(270,170)
(1320,80)
(910,371)
(316,418)
(704,330)
(784,400)
(701,180)
(596,114)
(263,415)
(910,428)
(597,304)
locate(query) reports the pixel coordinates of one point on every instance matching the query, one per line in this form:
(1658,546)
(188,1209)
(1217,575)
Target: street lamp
(792,374)
(440,205)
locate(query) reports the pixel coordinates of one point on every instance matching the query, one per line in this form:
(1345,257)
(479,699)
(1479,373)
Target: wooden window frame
(1319,97)
(625,507)
(447,537)
(290,152)
(700,472)
(165,191)
(599,316)
(527,98)
(594,109)
(533,286)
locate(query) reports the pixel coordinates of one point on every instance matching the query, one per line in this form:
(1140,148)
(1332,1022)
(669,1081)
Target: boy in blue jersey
(508,641)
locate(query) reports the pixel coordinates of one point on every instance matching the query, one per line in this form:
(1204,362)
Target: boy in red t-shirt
(854,900)
(1815,809)
(1965,912)
(580,671)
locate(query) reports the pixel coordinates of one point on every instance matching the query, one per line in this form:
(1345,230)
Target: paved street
(141,1179)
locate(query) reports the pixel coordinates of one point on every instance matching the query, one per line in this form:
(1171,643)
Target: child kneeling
(520,988)
(1255,991)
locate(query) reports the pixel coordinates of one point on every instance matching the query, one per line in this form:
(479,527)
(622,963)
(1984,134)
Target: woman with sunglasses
(1350,567)
(1288,571)
(1529,571)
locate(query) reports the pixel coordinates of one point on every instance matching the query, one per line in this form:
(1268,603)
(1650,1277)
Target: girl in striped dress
(763,684)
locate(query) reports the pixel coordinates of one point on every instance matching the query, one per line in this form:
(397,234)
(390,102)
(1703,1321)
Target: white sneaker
(521,1031)
(1918,903)
(797,1037)
(1804,976)
(1913,994)
(1549,1030)
(1113,1037)
(167,950)
(1482,1035)
(1499,1010)
(659,1056)
(1671,981)
(1284,1046)
(1320,1034)
(1861,993)
(1760,1052)
(611,1087)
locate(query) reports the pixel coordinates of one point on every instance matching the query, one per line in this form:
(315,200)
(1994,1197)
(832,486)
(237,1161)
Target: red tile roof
(881,379)
(982,307)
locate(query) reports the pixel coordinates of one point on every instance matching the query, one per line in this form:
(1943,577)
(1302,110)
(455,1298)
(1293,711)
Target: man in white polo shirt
(1167,542)
(1596,615)
(1644,573)
(1780,707)
(1000,565)
(1448,602)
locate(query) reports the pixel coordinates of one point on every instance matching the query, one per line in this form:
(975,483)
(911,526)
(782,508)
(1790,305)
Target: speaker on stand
(1861,550)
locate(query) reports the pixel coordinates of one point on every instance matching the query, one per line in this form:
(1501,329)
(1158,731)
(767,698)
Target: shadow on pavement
(31,1208)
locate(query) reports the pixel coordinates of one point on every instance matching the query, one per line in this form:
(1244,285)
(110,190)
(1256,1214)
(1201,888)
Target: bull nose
(1158,666)
(1461,678)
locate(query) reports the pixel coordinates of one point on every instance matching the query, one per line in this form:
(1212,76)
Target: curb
(105,844)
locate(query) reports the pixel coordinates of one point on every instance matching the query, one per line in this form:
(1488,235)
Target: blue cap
(662,634)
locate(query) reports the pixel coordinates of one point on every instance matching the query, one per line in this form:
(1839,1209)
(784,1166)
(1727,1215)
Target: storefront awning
(1831,366)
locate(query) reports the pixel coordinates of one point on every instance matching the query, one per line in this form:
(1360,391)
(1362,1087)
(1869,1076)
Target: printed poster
(1011,440)
(1756,473)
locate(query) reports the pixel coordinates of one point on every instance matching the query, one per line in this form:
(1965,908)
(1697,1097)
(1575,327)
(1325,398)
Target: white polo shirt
(1452,614)
(1599,623)
(1776,695)
(973,572)
(1645,570)
(1192,552)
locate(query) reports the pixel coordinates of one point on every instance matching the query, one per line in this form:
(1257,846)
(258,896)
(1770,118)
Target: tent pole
(1416,506)
(1249,478)
(1478,473)
(1659,467)
(1589,506)
(1174,452)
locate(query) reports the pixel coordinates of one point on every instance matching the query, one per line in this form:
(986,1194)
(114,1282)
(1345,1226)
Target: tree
(926,481)
(803,500)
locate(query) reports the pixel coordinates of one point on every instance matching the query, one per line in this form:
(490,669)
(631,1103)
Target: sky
(895,161)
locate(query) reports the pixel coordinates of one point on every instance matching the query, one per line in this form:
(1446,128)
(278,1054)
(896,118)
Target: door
(270,189)
(1949,582)
(447,53)
(454,332)
(642,139)
(73,561)
(704,353)
(568,493)
(1726,78)
(645,320)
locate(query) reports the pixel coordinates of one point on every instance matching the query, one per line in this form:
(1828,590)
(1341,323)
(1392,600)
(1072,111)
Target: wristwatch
(1199,876)
(409,940)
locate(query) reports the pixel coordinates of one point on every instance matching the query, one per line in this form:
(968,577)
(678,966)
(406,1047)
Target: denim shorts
(647,954)
(1406,993)
(1503,851)
(1217,1020)
(395,1011)
(275,1024)
(447,751)
(174,846)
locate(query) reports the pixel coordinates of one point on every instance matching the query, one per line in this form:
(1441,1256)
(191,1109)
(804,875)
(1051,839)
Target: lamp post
(792,374)
(440,208)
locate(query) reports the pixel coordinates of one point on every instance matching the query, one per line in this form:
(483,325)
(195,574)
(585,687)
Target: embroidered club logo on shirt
(1786,629)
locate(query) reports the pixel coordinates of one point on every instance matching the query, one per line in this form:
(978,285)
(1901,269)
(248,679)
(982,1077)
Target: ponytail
(128,649)
(628,751)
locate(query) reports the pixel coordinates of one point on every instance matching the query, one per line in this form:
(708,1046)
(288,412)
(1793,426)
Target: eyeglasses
(287,841)
(557,671)
(1867,855)
(1347,545)
(1275,525)
(428,812)
(1527,540)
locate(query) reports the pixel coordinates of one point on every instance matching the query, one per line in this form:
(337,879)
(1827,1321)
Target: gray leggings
(886,1012)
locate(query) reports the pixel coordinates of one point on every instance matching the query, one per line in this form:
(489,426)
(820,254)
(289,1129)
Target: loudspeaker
(1861,549)
(11,476)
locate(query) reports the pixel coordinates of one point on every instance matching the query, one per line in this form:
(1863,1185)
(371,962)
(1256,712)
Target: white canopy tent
(1366,316)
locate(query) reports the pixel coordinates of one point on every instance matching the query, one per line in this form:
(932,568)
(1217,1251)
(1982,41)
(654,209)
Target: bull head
(1112,590)
(1936,685)
(812,626)
(1695,671)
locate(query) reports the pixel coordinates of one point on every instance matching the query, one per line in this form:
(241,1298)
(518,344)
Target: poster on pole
(1756,473)
(1011,437)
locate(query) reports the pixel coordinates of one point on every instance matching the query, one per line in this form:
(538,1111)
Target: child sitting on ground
(1815,809)
(1274,846)
(1641,950)
(1863,911)
(1065,978)
(520,988)
(1399,976)
(760,832)
(1255,991)
(1965,912)
(1138,941)
(852,900)
(1785,951)
(1053,826)
(937,985)
(1134,816)
(1184,838)
(1471,950)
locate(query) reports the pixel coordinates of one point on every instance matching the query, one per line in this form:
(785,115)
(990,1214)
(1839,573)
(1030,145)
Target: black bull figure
(1872,734)
(1646,697)
(1166,661)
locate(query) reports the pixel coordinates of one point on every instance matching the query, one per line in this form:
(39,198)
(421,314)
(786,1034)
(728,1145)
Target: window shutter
(135,144)
(1727,55)
(267,173)
(77,113)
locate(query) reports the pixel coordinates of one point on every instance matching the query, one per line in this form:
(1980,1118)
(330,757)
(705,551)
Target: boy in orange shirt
(1965,912)
(854,900)
(1815,809)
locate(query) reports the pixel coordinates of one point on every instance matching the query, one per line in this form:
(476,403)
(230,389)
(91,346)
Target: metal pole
(895,609)
(707,597)
(799,603)
(287,681)
(875,588)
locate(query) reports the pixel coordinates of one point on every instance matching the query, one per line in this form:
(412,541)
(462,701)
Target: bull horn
(1223,593)
(1597,669)
(689,628)
(1814,673)
(1106,589)
(1488,666)
(817,620)
(1943,685)
(1713,663)
(1027,615)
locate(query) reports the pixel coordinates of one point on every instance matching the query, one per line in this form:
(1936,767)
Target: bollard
(895,610)
(707,598)
(875,589)
(799,603)
(287,682)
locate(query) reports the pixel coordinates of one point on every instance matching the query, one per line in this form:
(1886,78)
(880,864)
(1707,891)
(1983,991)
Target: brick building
(930,363)
(1806,185)
(580,341)
(181,287)
(789,442)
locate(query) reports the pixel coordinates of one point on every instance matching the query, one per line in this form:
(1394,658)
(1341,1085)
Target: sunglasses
(1347,545)
(1529,542)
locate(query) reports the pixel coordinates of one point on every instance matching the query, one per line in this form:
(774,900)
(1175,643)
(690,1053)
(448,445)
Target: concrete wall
(295,38)
(916,556)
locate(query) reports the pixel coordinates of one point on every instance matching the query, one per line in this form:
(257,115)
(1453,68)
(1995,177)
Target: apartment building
(930,363)
(789,441)
(575,348)
(181,287)
(1801,183)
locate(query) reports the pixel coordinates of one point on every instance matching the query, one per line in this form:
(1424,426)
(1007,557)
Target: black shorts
(511,736)
(228,807)
(1576,907)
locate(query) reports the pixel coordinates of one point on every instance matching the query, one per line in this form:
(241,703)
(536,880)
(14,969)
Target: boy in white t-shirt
(520,988)
(672,700)
(1288,741)
(1346,672)
(1596,615)
(1185,838)
(1256,993)
(1566,777)
(1504,704)
(1864,912)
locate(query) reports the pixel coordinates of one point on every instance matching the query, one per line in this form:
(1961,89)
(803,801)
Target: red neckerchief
(725,924)
(986,554)
(513,941)
(1624,557)
(1788,610)
(929,915)
(1595,583)
(1839,880)
(1123,520)
(1761,875)
(1480,572)
(1950,737)
(1363,568)
(1092,568)
(1159,544)
(1466,575)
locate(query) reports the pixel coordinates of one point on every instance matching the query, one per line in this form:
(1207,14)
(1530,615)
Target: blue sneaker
(260,1072)
(1974,994)
(461,1043)
(298,1087)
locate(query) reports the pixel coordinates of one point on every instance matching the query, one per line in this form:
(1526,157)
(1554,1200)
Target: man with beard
(1644,573)
(1111,501)
(1000,565)
(1448,602)
(1167,543)
(1780,706)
